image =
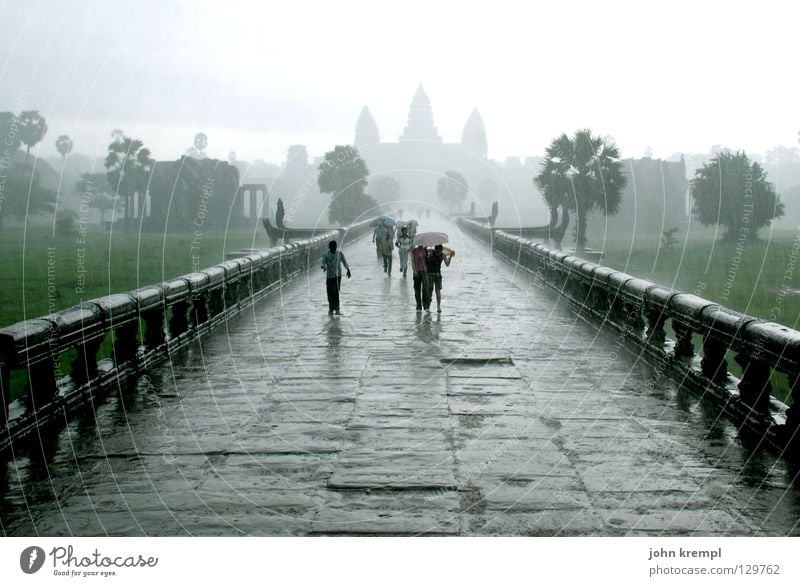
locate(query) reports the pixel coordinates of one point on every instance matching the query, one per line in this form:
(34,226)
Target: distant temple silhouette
(420,157)
(654,199)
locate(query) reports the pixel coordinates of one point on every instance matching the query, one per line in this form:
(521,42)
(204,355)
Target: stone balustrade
(703,334)
(146,326)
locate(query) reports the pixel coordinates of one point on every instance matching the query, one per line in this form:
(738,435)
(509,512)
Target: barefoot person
(332,262)
(434,265)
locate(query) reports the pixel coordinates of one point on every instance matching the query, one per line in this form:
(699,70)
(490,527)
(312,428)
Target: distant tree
(343,174)
(10,128)
(117,135)
(24,195)
(94,187)
(385,189)
(668,239)
(580,174)
(452,189)
(732,191)
(34,127)
(64,145)
(128,165)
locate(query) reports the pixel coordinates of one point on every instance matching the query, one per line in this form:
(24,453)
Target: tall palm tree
(64,146)
(129,165)
(580,174)
(34,127)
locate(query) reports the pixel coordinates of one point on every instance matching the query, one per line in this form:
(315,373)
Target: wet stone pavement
(503,415)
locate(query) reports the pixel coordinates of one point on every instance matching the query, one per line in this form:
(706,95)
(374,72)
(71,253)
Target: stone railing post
(655,328)
(127,343)
(755,387)
(84,367)
(713,364)
(5,387)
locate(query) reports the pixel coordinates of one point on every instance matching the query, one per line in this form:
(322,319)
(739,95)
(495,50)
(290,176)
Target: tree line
(580,173)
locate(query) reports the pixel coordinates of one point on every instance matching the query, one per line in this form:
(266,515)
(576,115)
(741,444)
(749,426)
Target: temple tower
(420,119)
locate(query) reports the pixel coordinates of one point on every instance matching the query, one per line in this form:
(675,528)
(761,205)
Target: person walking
(377,237)
(387,249)
(404,243)
(332,262)
(434,265)
(419,266)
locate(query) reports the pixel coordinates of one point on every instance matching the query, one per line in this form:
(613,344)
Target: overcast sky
(258,77)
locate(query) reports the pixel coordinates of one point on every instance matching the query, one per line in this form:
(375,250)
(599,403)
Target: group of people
(426,266)
(385,243)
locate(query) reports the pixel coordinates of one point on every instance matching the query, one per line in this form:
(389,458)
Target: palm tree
(64,146)
(34,127)
(580,174)
(129,165)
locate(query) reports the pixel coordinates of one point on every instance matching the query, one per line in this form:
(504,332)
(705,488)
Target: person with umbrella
(386,251)
(377,236)
(434,262)
(332,262)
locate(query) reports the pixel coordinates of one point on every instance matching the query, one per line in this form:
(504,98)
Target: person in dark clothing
(434,264)
(332,262)
(419,268)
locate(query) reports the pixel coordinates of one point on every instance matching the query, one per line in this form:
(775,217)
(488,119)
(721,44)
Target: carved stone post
(655,328)
(126,344)
(42,385)
(200,310)
(5,388)
(634,322)
(216,303)
(683,339)
(179,322)
(714,365)
(154,333)
(793,418)
(755,387)
(231,294)
(84,367)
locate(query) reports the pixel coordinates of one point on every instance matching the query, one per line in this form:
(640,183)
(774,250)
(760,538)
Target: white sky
(257,77)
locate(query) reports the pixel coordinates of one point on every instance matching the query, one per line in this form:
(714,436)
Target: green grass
(755,278)
(749,279)
(39,272)
(114,262)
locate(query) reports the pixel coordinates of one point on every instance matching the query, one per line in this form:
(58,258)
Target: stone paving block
(675,522)
(614,477)
(552,523)
(387,522)
(643,501)
(522,499)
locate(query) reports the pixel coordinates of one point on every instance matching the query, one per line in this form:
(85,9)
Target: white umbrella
(430,238)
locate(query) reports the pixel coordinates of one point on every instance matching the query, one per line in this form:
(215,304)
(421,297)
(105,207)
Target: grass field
(40,273)
(761,279)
